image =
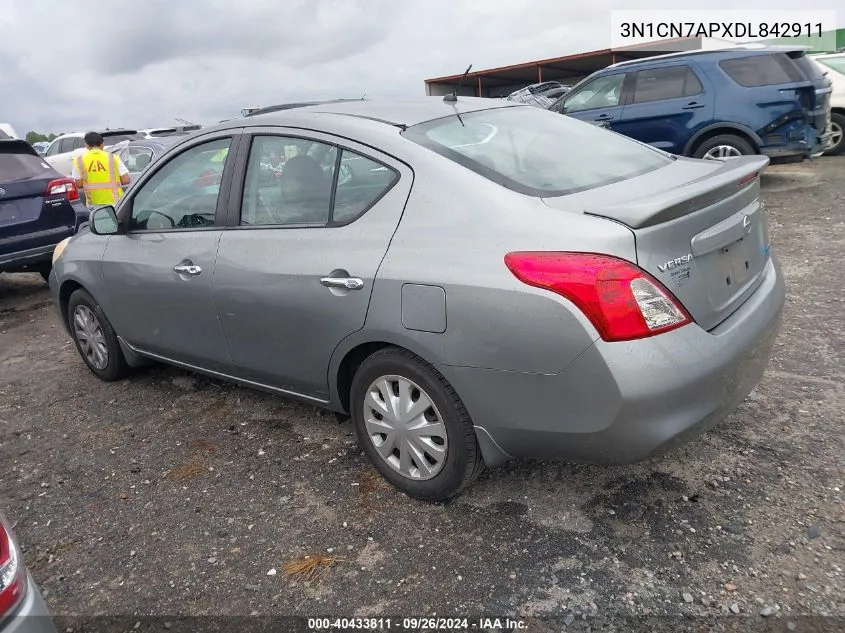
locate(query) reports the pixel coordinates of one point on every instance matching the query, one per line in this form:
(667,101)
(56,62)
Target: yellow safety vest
(220,155)
(100,177)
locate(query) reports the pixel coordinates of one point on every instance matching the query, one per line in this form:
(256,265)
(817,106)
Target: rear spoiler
(17,146)
(728,179)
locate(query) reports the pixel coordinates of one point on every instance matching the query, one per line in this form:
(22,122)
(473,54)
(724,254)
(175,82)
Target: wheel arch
(353,350)
(67,288)
(716,129)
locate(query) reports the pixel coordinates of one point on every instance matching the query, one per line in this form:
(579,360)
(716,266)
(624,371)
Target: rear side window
(809,67)
(67,144)
(21,167)
(762,70)
(657,84)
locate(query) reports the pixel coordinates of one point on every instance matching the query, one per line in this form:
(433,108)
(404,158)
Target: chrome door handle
(185,269)
(349,283)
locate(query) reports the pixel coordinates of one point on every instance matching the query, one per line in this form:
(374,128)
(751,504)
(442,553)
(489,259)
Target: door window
(601,92)
(291,181)
(183,193)
(288,182)
(673,82)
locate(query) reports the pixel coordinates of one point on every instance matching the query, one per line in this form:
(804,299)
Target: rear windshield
(15,167)
(537,152)
(114,139)
(762,70)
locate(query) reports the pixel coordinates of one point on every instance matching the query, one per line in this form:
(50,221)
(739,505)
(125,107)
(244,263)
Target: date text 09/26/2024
(415,624)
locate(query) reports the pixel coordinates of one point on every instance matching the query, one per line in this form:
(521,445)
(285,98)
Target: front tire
(413,426)
(724,146)
(95,338)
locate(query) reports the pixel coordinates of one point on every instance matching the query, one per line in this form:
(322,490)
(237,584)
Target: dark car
(711,104)
(38,209)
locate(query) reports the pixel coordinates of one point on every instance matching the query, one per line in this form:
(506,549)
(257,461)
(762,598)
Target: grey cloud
(145,62)
(295,33)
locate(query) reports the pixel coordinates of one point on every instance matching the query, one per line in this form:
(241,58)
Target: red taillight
(63,186)
(12,575)
(622,301)
(748,179)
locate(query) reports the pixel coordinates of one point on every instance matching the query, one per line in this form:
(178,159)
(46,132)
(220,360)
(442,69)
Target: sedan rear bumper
(626,401)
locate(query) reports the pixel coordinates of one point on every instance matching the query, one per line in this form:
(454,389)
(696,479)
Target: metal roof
(566,67)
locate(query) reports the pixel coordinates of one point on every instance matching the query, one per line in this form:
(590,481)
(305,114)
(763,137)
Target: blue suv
(712,104)
(39,207)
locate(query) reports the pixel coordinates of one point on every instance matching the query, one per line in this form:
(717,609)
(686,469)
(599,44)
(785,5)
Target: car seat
(306,190)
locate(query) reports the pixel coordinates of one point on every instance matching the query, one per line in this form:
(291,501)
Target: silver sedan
(469,281)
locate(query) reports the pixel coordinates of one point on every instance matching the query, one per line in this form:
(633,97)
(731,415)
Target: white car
(834,65)
(66,147)
(7,131)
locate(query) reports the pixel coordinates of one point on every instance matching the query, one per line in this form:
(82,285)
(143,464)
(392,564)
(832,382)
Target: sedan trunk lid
(699,228)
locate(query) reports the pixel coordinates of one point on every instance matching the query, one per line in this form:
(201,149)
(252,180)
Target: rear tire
(724,146)
(837,123)
(436,453)
(95,338)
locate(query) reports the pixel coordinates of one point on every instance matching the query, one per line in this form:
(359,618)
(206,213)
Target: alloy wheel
(92,340)
(835,134)
(723,151)
(405,427)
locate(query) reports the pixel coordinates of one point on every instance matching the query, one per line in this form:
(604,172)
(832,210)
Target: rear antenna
(454,96)
(363,96)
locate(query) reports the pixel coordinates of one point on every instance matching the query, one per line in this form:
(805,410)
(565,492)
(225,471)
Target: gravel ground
(170,494)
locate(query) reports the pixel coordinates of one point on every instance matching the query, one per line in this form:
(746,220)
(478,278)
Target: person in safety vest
(98,173)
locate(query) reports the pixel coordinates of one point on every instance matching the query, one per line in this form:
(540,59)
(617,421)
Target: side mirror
(103,221)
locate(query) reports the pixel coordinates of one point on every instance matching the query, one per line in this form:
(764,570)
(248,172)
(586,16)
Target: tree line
(38,137)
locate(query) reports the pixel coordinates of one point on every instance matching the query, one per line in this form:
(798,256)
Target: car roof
(714,52)
(398,113)
(299,104)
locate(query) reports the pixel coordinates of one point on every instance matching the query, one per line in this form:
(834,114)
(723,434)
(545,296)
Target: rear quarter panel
(454,234)
(753,107)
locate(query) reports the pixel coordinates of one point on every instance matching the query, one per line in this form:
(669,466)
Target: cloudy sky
(66,67)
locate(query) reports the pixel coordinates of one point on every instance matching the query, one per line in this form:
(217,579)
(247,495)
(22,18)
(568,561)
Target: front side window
(657,84)
(298,182)
(537,152)
(183,193)
(601,92)
(53,149)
